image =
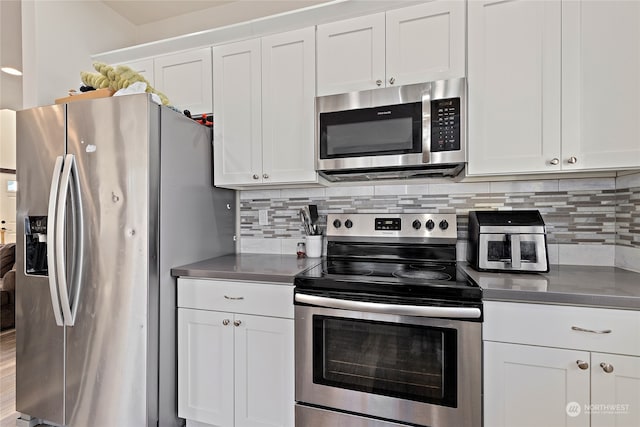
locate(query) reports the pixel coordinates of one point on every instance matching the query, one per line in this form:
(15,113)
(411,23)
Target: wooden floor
(8,412)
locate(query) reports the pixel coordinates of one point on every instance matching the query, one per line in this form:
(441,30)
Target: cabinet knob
(237,322)
(379,82)
(225,322)
(554,161)
(392,80)
(256,176)
(582,364)
(572,160)
(265,176)
(607,367)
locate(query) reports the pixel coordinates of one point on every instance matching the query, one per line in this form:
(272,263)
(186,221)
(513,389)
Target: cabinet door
(186,80)
(425,42)
(529,386)
(205,366)
(264,372)
(237,139)
(514,86)
(615,395)
(600,86)
(145,68)
(288,96)
(351,55)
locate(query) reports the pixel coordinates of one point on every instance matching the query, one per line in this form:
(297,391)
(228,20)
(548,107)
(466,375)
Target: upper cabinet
(402,46)
(514,86)
(553,86)
(600,87)
(145,68)
(185,78)
(264,93)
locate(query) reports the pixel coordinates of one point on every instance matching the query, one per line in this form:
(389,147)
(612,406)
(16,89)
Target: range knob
(444,224)
(337,223)
(416,224)
(348,223)
(429,224)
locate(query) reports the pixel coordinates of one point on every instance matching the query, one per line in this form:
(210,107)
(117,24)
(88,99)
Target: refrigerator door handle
(78,234)
(51,241)
(68,171)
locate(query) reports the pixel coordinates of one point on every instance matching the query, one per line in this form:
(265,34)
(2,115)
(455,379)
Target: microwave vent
(429,171)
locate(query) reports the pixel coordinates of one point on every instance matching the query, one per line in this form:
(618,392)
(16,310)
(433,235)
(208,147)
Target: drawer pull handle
(582,364)
(225,322)
(237,323)
(607,367)
(604,331)
(233,298)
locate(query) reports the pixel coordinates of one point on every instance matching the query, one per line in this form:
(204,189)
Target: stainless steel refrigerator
(112,193)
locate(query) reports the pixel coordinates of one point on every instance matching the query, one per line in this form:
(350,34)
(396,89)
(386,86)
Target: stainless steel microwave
(397,132)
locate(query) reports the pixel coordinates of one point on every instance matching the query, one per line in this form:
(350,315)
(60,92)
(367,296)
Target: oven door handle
(398,309)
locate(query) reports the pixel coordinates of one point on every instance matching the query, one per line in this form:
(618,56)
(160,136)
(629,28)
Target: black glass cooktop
(440,280)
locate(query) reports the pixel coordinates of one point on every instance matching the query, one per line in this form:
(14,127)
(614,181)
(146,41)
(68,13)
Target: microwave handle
(515,250)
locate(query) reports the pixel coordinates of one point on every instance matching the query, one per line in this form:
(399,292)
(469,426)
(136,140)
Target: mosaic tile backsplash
(598,211)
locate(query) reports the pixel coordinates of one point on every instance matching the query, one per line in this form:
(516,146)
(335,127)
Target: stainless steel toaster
(513,241)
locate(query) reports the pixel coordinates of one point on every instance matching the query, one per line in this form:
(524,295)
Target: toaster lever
(515,250)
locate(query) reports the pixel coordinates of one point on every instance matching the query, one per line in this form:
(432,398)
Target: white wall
(10,54)
(58,38)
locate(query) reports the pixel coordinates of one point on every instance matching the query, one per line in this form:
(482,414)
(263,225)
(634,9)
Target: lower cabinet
(528,383)
(235,369)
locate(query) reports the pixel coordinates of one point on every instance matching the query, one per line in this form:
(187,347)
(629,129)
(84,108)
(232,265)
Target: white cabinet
(237,130)
(560,366)
(528,386)
(402,46)
(544,95)
(264,110)
(145,68)
(185,77)
(514,65)
(205,366)
(235,353)
(600,89)
(615,379)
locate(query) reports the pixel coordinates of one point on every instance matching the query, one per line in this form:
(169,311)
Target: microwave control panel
(445,124)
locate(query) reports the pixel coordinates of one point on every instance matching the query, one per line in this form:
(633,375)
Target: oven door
(419,370)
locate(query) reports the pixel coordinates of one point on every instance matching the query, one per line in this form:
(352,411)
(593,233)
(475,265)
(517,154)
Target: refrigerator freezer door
(107,350)
(40,135)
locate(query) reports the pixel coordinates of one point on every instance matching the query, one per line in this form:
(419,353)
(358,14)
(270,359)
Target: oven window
(393,129)
(404,361)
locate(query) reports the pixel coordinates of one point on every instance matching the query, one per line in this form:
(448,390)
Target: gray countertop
(563,284)
(253,267)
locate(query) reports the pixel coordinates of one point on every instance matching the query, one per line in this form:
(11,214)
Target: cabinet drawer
(237,297)
(580,328)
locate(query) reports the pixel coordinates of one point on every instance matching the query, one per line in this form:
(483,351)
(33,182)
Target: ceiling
(140,12)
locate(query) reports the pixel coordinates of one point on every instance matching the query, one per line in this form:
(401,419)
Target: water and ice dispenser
(35,235)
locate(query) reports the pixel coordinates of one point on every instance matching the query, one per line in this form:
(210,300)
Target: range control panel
(438,226)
